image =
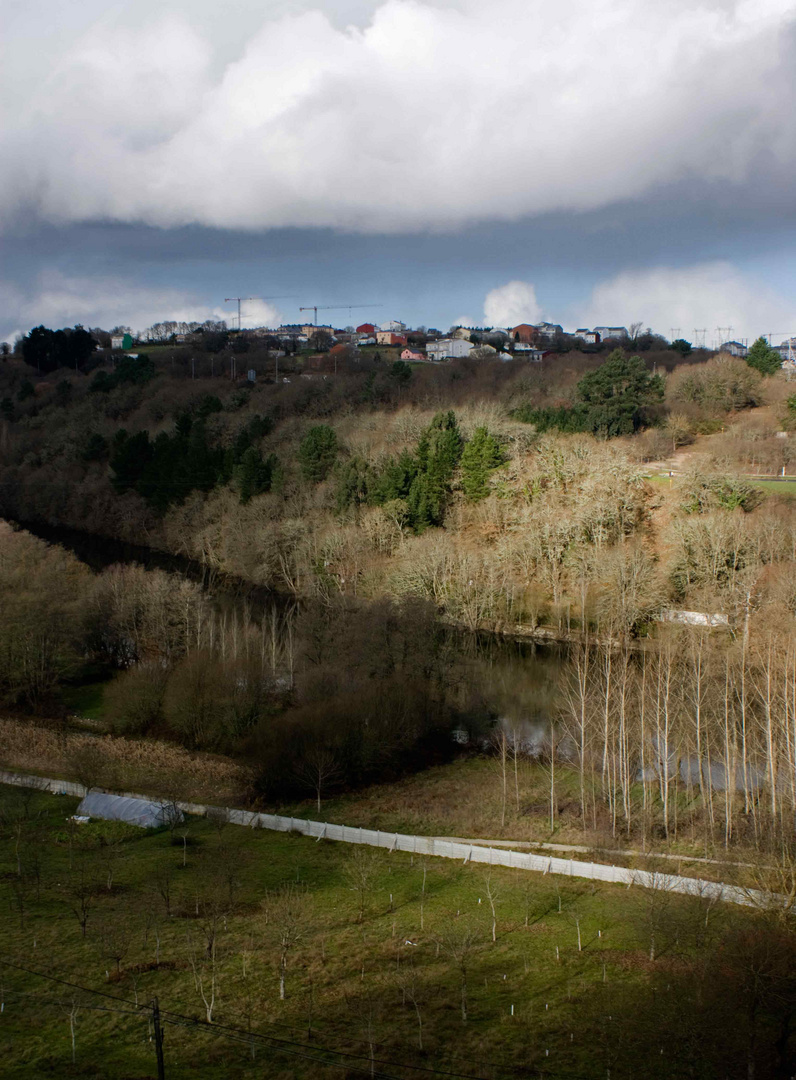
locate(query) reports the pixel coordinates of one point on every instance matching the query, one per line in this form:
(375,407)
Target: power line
(287,1046)
(178,1020)
(39,1000)
(325,1030)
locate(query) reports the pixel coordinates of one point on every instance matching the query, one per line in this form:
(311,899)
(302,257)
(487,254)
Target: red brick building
(525,333)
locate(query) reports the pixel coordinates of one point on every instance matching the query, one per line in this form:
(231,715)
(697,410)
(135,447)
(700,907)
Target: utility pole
(675,332)
(158,1038)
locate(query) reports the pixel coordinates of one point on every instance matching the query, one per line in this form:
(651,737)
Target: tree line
(314,699)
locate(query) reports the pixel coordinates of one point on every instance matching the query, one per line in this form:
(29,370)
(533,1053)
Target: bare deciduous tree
(360,870)
(289,915)
(459,943)
(82,888)
(318,768)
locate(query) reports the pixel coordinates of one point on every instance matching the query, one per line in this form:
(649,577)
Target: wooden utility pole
(158,1038)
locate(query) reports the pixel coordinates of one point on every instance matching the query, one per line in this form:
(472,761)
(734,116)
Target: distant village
(529,341)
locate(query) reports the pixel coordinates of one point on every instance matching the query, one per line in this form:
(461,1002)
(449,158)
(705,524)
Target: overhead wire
(285,1045)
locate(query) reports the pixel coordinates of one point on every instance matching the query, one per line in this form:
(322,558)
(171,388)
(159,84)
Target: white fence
(445,849)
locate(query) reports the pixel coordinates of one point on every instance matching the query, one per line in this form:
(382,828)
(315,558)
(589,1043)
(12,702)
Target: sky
(436,161)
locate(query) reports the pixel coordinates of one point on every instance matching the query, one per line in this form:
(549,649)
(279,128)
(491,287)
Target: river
(517,678)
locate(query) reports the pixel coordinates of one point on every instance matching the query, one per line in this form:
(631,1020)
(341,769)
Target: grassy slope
(352,972)
(462,798)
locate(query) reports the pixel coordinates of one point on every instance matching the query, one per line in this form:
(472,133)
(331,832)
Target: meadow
(391,965)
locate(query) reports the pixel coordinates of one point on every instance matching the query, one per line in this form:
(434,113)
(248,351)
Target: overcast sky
(582,161)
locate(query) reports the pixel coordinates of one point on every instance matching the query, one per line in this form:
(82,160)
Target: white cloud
(59,301)
(254,312)
(706,296)
(423,115)
(511,304)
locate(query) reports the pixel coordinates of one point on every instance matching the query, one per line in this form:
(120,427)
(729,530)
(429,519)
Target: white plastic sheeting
(140,812)
(429,845)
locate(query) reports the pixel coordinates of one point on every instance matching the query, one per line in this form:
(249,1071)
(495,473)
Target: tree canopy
(166,469)
(481,455)
(317,453)
(47,350)
(617,398)
(763,358)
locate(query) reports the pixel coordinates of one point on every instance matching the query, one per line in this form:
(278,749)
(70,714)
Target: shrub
(134,700)
(723,384)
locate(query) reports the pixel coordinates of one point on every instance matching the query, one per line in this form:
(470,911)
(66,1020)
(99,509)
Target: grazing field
(391,966)
(786,488)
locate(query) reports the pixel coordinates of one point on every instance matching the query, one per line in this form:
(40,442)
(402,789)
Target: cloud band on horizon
(428,116)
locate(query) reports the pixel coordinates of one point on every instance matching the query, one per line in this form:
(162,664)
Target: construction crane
(237,299)
(333,307)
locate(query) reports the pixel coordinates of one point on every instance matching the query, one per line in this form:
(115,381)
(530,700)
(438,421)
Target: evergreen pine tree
(481,454)
(317,453)
(763,358)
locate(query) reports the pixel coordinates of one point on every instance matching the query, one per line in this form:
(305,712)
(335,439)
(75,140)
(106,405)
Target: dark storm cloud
(422,116)
(157,157)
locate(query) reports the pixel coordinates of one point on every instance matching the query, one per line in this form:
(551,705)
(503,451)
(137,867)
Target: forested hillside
(455,483)
(357,544)
(382,499)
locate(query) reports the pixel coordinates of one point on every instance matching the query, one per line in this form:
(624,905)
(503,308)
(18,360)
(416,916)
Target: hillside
(273,952)
(233,475)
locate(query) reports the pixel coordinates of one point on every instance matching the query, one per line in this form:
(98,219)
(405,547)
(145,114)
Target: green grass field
(785,488)
(181,919)
(85,700)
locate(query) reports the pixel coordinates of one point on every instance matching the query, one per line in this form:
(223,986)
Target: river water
(514,681)
(515,678)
